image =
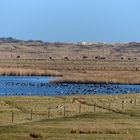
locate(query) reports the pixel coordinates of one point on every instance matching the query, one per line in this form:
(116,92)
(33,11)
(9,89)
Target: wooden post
(31,114)
(122,104)
(49,112)
(135,101)
(109,105)
(95,107)
(64,111)
(104,105)
(89,107)
(12,116)
(79,108)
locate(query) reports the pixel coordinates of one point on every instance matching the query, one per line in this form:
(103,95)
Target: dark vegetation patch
(98,131)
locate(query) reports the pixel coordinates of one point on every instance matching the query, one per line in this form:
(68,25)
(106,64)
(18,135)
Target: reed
(28,72)
(115,77)
(76,71)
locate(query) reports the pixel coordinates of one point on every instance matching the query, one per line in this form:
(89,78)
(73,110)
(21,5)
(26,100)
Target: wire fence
(21,115)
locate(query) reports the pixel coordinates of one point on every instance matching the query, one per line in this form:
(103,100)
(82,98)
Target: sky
(71,20)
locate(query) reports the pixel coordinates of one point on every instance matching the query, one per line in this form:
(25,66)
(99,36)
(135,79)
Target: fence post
(79,108)
(95,107)
(135,101)
(64,111)
(89,107)
(109,105)
(49,112)
(31,114)
(12,116)
(122,104)
(104,105)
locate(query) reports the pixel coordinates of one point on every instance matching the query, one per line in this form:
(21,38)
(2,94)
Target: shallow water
(35,85)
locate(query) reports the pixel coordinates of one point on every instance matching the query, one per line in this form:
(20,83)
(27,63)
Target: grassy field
(86,117)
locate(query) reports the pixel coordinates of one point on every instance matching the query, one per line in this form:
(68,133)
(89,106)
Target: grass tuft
(36,134)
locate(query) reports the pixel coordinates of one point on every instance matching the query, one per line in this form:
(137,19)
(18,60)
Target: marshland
(69,70)
(83,63)
(69,91)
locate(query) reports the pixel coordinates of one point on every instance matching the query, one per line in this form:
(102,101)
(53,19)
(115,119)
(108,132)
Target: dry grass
(121,77)
(76,70)
(28,72)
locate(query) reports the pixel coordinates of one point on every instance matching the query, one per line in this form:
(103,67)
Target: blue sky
(71,20)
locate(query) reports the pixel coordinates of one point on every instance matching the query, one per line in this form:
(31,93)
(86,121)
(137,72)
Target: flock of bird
(42,88)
